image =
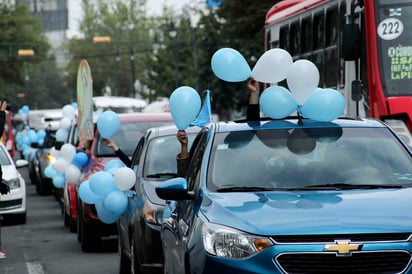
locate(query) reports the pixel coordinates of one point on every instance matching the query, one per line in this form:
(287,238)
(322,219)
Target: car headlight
(13,183)
(153,213)
(227,242)
(50,158)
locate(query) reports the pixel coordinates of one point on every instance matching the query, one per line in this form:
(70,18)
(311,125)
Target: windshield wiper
(243,189)
(162,175)
(346,186)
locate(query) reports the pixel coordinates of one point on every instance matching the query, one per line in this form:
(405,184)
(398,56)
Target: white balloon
(62,134)
(60,165)
(55,153)
(272,66)
(68,151)
(65,122)
(124,178)
(69,112)
(302,79)
(72,174)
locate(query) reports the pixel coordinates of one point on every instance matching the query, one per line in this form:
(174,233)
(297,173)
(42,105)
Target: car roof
(294,122)
(172,130)
(140,116)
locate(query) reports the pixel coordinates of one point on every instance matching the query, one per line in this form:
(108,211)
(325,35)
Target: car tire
(134,261)
(89,241)
(72,225)
(42,189)
(125,264)
(21,218)
(66,219)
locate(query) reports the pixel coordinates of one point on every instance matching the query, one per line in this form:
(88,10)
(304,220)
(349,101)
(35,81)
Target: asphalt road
(45,246)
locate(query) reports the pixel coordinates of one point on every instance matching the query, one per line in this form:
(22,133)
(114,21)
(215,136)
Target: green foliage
(180,60)
(27,80)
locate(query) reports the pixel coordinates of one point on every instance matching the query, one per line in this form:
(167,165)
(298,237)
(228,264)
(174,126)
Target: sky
(154,8)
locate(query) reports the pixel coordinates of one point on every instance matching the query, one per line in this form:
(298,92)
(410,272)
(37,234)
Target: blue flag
(214,3)
(205,114)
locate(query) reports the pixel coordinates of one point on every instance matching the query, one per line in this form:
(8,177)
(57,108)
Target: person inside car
(252,114)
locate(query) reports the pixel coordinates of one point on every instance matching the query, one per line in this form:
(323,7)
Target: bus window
(331,54)
(284,38)
(319,31)
(306,33)
(294,39)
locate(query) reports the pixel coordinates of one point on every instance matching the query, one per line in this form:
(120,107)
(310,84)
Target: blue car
(291,196)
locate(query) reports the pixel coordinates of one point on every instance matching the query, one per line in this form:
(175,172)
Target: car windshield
(4,160)
(49,139)
(308,158)
(126,137)
(160,162)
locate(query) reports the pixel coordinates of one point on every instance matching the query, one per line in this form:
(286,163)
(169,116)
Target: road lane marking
(34,268)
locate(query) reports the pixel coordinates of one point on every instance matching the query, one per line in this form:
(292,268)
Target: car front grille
(357,263)
(12,204)
(327,238)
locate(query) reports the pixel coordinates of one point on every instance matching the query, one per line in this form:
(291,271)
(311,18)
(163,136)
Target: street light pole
(133,69)
(175,46)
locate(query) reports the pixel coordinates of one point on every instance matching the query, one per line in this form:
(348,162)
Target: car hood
(312,212)
(9,172)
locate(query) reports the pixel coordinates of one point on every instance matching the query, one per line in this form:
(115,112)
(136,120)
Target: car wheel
(79,224)
(89,241)
(42,189)
(125,264)
(134,261)
(72,225)
(21,218)
(66,218)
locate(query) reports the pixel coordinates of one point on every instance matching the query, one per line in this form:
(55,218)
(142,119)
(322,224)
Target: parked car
(153,161)
(90,230)
(291,196)
(41,159)
(69,202)
(13,204)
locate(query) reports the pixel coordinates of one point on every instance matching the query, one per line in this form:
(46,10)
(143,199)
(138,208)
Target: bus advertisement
(362,48)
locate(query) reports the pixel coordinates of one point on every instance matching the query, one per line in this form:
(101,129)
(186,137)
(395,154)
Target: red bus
(362,48)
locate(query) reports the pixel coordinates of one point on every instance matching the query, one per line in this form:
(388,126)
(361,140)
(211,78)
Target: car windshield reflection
(303,159)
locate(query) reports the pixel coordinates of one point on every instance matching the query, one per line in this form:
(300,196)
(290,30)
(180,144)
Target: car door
(124,219)
(183,215)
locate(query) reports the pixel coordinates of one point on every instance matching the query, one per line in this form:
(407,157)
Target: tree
(119,59)
(30,79)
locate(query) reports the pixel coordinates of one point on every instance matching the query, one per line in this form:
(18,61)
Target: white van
(119,104)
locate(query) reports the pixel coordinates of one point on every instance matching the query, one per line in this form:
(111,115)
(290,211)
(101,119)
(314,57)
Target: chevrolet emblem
(343,247)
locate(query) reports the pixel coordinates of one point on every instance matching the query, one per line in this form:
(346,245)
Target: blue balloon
(115,163)
(108,124)
(184,105)
(41,133)
(277,102)
(229,65)
(102,183)
(32,136)
(25,109)
(59,180)
(323,105)
(80,159)
(50,172)
(116,202)
(105,215)
(87,195)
